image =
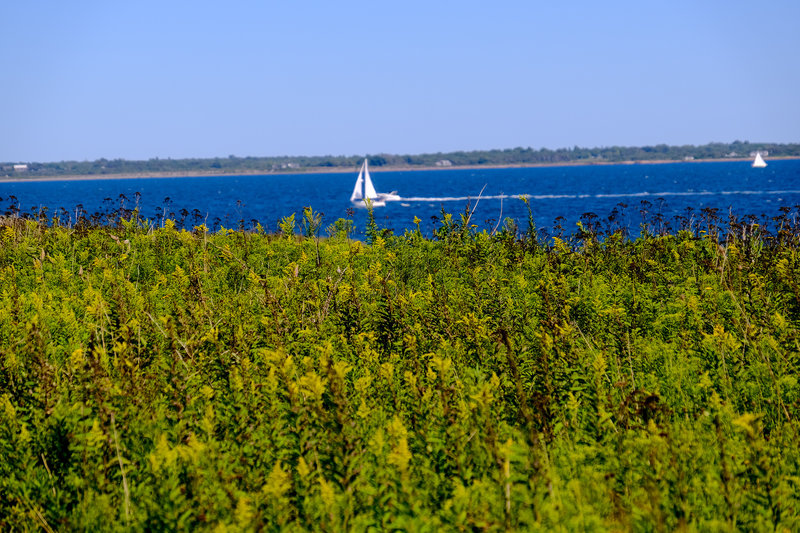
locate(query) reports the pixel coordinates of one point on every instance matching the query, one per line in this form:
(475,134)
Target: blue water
(568,192)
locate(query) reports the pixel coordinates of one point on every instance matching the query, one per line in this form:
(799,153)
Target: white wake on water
(643,194)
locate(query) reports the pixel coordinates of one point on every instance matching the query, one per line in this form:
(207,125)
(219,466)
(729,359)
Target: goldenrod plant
(160,378)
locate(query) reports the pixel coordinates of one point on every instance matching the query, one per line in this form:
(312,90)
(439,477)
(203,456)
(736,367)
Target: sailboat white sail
(365,189)
(358,191)
(369,188)
(759,162)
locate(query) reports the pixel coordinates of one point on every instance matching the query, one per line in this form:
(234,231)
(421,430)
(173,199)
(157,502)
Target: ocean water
(622,192)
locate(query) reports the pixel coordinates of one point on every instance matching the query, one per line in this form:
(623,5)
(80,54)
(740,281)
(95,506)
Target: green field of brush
(164,379)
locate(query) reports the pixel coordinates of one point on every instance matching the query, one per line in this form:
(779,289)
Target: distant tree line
(511,156)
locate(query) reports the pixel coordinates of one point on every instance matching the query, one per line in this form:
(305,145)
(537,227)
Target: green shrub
(155,378)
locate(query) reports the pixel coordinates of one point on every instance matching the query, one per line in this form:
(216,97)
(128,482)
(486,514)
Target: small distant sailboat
(365,189)
(759,162)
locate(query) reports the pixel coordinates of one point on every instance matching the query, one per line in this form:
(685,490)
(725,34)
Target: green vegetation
(161,379)
(515,156)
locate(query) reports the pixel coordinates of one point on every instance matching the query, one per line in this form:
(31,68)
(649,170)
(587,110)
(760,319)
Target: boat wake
(455,198)
(643,194)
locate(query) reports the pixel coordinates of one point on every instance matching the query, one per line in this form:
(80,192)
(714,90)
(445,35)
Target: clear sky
(140,79)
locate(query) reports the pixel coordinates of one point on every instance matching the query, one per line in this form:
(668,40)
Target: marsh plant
(160,378)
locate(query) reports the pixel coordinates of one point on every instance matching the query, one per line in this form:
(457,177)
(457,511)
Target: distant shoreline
(344,170)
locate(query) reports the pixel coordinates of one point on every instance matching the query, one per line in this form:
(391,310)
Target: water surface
(677,189)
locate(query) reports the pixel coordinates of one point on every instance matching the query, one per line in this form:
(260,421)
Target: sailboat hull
(375,203)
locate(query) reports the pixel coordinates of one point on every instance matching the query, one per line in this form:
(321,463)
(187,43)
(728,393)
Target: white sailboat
(365,189)
(759,162)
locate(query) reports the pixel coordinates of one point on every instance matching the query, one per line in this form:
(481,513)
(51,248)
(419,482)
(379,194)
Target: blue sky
(135,80)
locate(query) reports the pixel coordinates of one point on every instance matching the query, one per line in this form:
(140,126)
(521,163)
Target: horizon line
(418,154)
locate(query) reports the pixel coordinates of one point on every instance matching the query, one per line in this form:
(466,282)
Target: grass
(159,378)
